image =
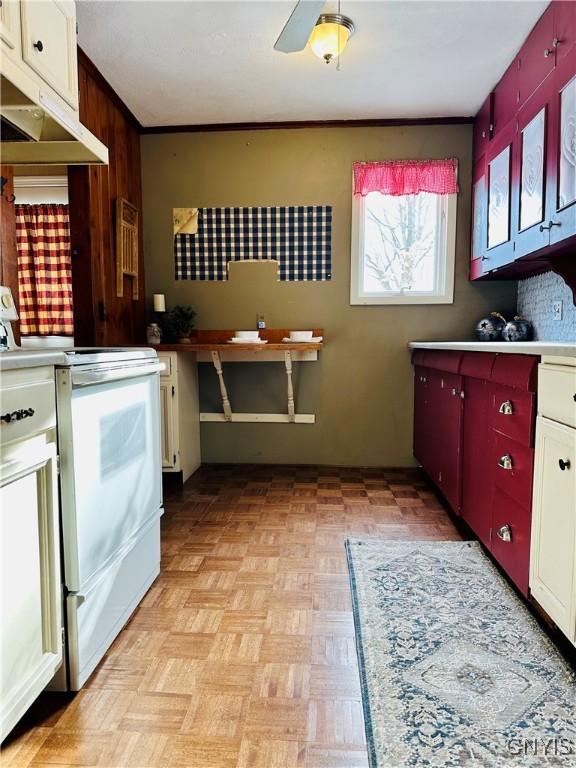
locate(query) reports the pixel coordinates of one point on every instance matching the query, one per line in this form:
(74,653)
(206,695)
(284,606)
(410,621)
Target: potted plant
(178,323)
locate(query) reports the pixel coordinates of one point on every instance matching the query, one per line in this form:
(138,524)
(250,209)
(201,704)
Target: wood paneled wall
(100,317)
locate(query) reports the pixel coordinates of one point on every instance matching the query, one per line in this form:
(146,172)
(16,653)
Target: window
(403,248)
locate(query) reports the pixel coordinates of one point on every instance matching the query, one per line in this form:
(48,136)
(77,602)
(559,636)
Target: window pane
(400,243)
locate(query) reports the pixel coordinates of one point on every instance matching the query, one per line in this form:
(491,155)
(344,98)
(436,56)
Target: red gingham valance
(44,270)
(406,177)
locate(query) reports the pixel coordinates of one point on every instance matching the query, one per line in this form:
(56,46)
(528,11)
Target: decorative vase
(518,329)
(184,340)
(490,328)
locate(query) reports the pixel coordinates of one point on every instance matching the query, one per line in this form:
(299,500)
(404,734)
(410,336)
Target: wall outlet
(557,310)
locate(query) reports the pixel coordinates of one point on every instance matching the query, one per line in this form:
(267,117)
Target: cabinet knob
(506,462)
(547,52)
(39,45)
(545,227)
(564,464)
(506,408)
(504,533)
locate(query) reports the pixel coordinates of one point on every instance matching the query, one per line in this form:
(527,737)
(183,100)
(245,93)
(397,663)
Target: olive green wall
(361,387)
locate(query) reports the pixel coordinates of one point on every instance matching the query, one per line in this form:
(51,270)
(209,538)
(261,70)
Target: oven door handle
(103,375)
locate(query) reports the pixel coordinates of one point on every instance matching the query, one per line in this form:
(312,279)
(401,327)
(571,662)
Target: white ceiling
(211,61)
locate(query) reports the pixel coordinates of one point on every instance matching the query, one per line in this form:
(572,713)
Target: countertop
(549,348)
(30,358)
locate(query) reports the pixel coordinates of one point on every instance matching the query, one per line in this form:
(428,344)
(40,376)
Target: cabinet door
(477,471)
(529,173)
(30,585)
(562,167)
(505,100)
(447,405)
(423,416)
(537,56)
(564,29)
(479,221)
(49,44)
(553,550)
(10,28)
(500,246)
(168,415)
(483,125)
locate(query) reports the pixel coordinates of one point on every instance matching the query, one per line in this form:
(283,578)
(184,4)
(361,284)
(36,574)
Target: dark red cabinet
(505,99)
(438,421)
(537,56)
(564,29)
(476,491)
(474,417)
(532,113)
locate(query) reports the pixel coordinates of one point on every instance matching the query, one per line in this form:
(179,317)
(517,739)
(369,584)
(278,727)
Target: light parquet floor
(242,654)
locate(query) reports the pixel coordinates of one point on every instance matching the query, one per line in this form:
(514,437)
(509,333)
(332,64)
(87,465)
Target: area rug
(455,671)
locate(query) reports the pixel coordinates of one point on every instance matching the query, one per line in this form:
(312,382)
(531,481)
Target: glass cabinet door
(567,153)
(499,199)
(532,179)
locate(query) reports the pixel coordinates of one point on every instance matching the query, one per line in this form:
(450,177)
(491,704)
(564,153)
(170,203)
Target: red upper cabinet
(564,29)
(505,98)
(530,156)
(483,126)
(537,56)
(562,162)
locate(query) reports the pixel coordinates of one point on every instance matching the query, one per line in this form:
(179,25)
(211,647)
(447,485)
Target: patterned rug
(454,669)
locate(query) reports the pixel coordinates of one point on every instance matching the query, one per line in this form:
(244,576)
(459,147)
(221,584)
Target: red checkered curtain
(44,270)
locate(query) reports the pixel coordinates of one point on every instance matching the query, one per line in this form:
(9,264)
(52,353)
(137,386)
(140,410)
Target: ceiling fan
(327,33)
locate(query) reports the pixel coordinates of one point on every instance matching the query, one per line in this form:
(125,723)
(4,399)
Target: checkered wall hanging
(298,237)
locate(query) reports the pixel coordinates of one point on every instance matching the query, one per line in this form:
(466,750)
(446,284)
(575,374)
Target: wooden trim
(371,123)
(104,85)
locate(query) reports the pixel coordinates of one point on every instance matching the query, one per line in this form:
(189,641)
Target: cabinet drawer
(510,543)
(166,360)
(512,466)
(557,393)
(35,404)
(513,413)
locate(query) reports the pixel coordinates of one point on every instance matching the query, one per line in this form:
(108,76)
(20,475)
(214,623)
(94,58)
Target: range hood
(36,130)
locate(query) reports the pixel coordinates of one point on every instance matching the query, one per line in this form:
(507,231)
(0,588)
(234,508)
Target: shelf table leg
(223,391)
(288,364)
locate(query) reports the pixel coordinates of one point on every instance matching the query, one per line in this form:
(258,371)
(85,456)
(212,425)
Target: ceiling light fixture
(330,35)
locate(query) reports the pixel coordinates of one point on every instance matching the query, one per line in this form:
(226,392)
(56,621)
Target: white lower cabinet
(180,413)
(30,584)
(553,545)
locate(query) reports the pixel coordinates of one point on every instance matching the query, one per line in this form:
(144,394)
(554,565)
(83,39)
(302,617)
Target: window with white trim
(403,248)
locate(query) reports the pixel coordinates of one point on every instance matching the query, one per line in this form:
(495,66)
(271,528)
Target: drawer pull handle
(504,533)
(564,464)
(39,45)
(21,413)
(505,462)
(506,408)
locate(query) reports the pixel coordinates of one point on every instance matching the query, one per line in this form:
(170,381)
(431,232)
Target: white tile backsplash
(536,296)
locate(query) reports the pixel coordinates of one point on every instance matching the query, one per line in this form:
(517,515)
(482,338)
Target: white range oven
(108,403)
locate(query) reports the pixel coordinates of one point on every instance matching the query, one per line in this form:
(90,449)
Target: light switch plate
(557,310)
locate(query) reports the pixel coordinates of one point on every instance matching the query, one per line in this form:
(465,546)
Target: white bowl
(247,334)
(301,335)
